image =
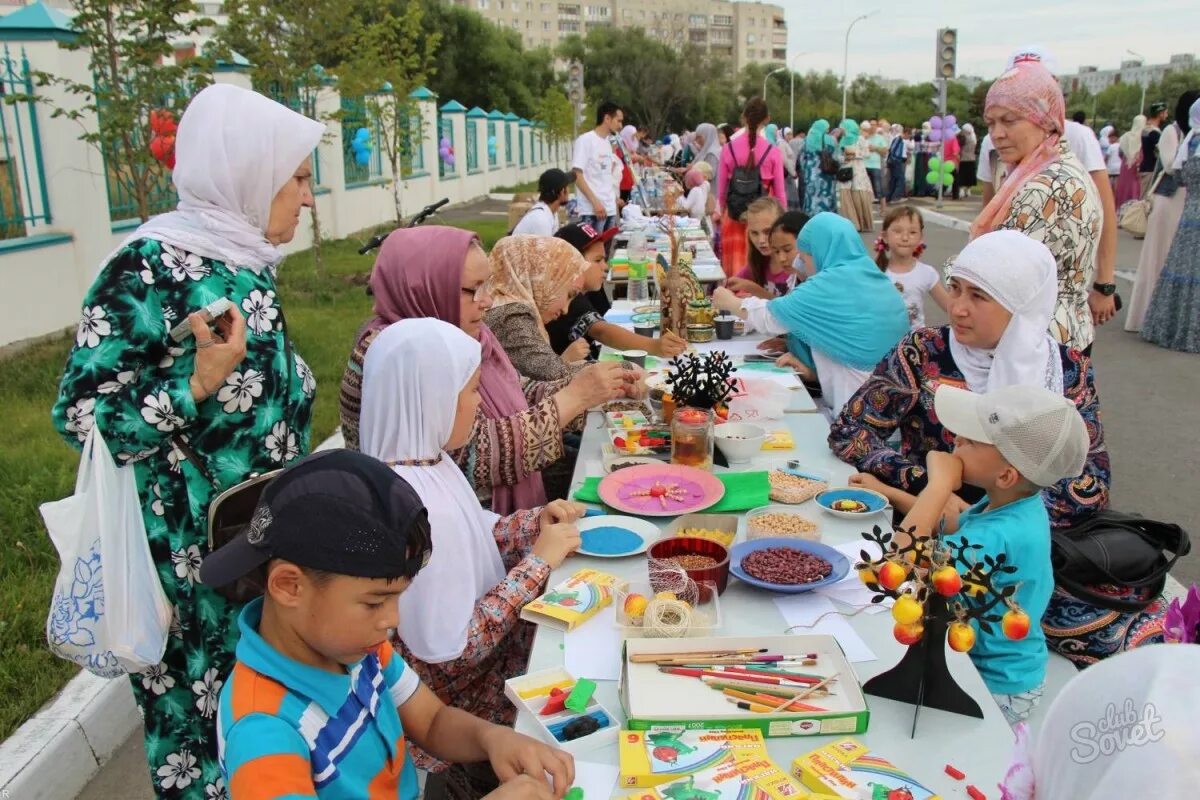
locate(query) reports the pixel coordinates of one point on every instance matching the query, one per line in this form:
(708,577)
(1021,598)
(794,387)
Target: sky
(899,41)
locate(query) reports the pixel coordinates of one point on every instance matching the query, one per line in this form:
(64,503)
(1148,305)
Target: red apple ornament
(1015,624)
(946,581)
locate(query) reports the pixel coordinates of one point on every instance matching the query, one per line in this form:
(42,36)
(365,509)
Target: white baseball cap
(1037,431)
(1035,53)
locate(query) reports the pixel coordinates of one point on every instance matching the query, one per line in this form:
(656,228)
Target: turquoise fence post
(446,126)
(473,117)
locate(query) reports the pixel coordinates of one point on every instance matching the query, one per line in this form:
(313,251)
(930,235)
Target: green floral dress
(128,376)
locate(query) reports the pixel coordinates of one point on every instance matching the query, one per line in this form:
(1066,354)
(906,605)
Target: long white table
(979,747)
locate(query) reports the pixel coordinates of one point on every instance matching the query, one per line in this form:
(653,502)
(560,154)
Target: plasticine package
(846,769)
(650,758)
(572,602)
(733,778)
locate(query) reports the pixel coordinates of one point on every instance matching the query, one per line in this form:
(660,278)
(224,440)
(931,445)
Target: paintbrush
(807,692)
(654,658)
(780,691)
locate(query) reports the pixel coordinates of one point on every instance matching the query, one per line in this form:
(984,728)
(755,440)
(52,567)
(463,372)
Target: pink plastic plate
(660,490)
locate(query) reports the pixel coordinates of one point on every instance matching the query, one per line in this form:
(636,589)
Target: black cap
(337,511)
(553,181)
(582,236)
(1157,108)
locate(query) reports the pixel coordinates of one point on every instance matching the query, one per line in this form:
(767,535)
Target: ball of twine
(668,618)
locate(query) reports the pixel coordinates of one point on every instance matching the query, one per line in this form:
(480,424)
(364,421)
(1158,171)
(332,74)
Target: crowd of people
(392,572)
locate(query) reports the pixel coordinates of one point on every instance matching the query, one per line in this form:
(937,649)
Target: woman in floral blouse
(237,399)
(1047,195)
(460,620)
(439,272)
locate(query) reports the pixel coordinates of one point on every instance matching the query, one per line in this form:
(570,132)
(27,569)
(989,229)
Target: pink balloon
(935,135)
(936,123)
(951,121)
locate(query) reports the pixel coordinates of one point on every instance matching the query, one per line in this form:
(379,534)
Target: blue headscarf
(772,133)
(850,133)
(818,137)
(849,310)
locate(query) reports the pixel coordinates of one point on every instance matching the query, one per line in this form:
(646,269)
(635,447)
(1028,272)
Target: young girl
(695,204)
(898,249)
(760,277)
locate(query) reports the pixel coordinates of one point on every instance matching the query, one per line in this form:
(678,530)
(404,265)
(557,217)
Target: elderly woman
(533,280)
(440,272)
(820,187)
(708,151)
(195,416)
(1048,195)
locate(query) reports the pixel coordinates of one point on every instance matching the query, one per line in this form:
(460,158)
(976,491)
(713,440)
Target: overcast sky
(898,42)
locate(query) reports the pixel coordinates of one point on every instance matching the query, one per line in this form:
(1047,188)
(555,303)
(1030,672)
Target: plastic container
(756,531)
(718,574)
(530,693)
(705,615)
(723,528)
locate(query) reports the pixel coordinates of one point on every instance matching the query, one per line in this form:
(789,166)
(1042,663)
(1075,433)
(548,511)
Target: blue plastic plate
(874,501)
(841,564)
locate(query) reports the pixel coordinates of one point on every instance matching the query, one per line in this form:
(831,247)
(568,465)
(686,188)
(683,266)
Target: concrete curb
(945,220)
(57,751)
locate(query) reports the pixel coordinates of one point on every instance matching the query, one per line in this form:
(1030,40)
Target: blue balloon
(363,158)
(362,135)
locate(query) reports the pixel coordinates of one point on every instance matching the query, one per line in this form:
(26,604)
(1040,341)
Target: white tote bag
(109,614)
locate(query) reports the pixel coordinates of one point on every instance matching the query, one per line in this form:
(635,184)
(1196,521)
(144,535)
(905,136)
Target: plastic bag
(108,613)
(764,399)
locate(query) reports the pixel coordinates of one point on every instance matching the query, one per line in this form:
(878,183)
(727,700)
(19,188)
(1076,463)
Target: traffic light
(947,52)
(575,83)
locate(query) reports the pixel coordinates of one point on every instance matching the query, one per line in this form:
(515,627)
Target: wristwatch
(1106,289)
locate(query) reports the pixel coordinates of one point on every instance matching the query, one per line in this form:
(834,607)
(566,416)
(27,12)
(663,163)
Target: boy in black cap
(572,333)
(542,219)
(318,704)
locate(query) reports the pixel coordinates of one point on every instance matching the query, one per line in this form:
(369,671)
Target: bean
(693,561)
(785,566)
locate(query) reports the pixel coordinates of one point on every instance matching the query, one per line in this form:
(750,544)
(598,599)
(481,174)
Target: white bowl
(740,441)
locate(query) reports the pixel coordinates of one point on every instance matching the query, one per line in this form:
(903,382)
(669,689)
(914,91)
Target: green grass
(324,311)
(527,186)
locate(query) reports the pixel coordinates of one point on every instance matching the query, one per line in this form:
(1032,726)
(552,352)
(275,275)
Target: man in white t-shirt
(1086,147)
(592,163)
(542,218)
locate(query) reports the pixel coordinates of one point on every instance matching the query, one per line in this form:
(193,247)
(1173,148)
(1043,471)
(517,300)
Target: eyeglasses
(477,294)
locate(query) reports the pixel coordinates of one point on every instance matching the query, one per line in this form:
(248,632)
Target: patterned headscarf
(533,270)
(1028,89)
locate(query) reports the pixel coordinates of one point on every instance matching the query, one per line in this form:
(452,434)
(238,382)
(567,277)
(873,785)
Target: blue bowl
(841,564)
(874,501)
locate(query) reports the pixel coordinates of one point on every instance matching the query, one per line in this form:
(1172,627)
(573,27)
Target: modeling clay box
(651,758)
(543,694)
(733,778)
(847,769)
(574,601)
(697,693)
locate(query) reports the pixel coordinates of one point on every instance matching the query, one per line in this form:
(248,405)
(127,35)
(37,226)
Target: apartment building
(744,32)
(1133,71)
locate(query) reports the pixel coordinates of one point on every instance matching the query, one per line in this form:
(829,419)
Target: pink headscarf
(419,274)
(1031,91)
(693,178)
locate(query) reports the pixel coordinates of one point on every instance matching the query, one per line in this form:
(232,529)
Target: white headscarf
(413,373)
(1021,275)
(234,150)
(1131,140)
(1124,727)
(1181,155)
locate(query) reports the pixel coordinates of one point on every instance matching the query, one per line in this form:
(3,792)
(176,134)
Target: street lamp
(846,58)
(1143,58)
(792,104)
(769,74)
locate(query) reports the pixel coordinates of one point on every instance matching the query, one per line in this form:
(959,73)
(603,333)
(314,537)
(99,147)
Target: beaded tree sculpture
(939,588)
(700,381)
(677,284)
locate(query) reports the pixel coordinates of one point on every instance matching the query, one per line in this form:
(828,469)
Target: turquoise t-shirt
(873,160)
(1021,531)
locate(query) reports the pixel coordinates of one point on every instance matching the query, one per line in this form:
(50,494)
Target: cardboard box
(845,769)
(530,693)
(652,758)
(574,601)
(653,699)
(733,778)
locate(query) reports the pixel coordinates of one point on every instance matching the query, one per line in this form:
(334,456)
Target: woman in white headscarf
(460,625)
(195,414)
(1128,185)
(708,151)
(1122,728)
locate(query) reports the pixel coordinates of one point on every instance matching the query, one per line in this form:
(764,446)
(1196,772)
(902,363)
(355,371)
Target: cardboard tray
(656,700)
(518,690)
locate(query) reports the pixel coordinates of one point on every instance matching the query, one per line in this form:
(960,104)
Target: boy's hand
(577,350)
(945,469)
(669,345)
(560,511)
(514,755)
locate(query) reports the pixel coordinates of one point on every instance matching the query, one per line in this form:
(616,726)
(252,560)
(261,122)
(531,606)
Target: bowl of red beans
(788,566)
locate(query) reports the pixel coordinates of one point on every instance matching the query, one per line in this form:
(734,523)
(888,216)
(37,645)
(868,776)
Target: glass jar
(692,437)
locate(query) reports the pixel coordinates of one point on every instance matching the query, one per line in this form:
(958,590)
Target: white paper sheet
(839,627)
(804,609)
(598,781)
(850,590)
(593,650)
(816,614)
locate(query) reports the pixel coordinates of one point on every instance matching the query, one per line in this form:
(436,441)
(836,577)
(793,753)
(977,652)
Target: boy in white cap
(1011,442)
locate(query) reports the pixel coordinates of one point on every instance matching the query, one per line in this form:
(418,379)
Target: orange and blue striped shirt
(286,730)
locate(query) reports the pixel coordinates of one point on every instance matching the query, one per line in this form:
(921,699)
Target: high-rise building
(744,32)
(1131,71)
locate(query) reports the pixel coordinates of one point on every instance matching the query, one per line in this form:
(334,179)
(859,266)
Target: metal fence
(129,169)
(355,117)
(412,140)
(492,150)
(445,131)
(23,202)
(302,102)
(472,147)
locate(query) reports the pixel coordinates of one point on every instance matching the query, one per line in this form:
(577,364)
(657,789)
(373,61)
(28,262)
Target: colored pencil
(742,675)
(761,688)
(800,696)
(770,701)
(757,708)
(756,671)
(653,658)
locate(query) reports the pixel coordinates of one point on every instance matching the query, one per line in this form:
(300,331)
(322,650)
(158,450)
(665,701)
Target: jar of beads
(692,437)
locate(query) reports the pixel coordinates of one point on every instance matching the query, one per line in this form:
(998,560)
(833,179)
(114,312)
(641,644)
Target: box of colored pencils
(651,758)
(777,685)
(574,601)
(732,778)
(564,711)
(847,769)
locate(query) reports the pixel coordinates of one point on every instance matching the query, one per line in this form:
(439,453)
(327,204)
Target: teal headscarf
(849,132)
(772,133)
(849,310)
(818,136)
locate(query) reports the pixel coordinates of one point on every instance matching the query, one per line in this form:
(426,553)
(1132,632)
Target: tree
(135,71)
(554,110)
(388,55)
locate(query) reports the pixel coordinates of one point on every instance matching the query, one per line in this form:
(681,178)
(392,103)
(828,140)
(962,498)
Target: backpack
(829,164)
(745,185)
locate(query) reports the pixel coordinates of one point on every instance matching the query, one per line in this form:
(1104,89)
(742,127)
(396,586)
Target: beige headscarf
(1131,141)
(533,270)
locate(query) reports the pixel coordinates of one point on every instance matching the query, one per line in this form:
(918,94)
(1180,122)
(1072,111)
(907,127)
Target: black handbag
(1116,549)
(845,174)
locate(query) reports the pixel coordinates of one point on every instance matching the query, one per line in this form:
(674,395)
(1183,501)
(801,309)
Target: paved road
(1144,392)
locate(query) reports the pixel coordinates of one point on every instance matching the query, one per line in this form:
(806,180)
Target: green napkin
(743,491)
(651,361)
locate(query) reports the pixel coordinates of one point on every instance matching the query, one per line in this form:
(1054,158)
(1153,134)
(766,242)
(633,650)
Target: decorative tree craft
(700,380)
(939,588)
(677,284)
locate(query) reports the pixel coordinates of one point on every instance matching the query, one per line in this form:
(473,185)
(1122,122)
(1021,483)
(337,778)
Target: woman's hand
(593,385)
(669,345)
(577,350)
(725,300)
(560,511)
(802,369)
(775,347)
(217,352)
(740,285)
(868,481)
(556,542)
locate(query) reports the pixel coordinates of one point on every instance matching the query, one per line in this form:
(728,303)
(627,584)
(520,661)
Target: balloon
(362,158)
(934,135)
(949,166)
(444,144)
(932,178)
(935,163)
(362,135)
(951,120)
(450,161)
(935,123)
(947,179)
